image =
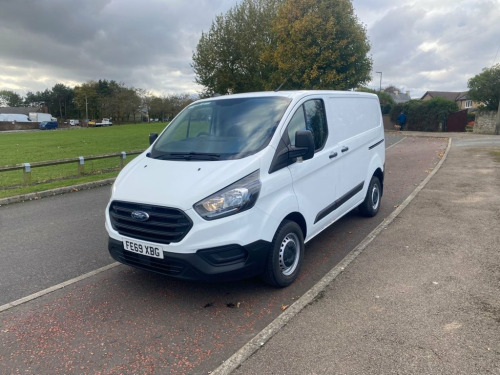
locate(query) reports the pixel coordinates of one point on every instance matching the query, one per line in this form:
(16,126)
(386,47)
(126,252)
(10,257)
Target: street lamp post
(380,88)
(86,110)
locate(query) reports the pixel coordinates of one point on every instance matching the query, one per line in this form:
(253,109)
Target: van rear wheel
(371,204)
(285,258)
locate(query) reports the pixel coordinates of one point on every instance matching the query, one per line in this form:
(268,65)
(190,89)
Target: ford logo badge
(139,215)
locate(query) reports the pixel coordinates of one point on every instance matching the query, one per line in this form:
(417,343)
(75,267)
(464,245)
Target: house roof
(19,110)
(398,95)
(455,96)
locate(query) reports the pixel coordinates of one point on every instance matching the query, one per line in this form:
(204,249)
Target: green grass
(496,155)
(29,147)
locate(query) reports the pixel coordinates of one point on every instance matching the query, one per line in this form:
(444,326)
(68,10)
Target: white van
(235,185)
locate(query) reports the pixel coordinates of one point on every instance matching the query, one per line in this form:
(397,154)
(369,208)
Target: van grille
(166,266)
(164,225)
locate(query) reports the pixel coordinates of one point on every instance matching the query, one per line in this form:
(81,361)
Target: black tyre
(285,258)
(371,204)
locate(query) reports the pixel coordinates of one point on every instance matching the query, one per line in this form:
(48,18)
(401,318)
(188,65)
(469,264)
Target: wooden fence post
(27,174)
(122,158)
(81,165)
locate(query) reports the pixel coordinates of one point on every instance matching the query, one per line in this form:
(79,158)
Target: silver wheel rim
(375,197)
(289,254)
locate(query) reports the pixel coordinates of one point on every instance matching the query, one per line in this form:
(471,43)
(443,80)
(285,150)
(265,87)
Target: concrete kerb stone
(267,333)
(58,191)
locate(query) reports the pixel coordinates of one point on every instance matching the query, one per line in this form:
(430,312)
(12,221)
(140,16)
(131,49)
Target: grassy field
(496,155)
(33,146)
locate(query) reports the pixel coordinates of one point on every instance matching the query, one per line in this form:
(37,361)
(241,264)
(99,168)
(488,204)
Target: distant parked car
(45,125)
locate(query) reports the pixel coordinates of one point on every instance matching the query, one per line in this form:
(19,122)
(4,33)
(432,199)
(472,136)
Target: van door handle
(333,155)
(345,149)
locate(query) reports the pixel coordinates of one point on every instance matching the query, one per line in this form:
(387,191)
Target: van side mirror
(152,137)
(304,145)
(287,154)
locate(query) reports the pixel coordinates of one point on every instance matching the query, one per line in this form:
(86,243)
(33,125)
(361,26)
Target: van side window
(310,116)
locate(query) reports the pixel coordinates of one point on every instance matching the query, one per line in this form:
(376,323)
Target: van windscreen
(221,129)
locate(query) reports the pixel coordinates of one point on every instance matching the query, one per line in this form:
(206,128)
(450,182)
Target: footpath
(421,297)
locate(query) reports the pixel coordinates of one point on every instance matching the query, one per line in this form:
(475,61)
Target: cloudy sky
(418,45)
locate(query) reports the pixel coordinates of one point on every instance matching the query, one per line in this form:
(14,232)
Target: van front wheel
(285,258)
(371,204)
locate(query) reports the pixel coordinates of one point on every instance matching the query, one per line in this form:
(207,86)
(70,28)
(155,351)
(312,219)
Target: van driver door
(314,180)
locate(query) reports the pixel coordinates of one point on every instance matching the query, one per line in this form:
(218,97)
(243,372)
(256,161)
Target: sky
(417,45)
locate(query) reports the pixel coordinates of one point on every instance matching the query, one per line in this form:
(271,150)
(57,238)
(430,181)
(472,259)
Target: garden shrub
(424,115)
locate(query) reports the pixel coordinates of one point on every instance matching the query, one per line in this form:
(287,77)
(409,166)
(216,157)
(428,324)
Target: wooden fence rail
(26,167)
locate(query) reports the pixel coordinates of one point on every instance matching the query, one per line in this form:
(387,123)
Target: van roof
(292,94)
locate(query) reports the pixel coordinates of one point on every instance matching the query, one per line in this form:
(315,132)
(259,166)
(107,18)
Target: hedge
(424,115)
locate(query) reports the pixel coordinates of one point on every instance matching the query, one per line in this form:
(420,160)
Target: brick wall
(14,125)
(486,122)
(388,124)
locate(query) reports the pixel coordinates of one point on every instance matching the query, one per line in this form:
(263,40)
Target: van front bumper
(230,262)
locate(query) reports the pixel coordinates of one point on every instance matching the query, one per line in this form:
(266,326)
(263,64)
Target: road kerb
(58,191)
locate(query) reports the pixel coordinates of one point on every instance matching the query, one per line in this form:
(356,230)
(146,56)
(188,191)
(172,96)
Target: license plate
(143,248)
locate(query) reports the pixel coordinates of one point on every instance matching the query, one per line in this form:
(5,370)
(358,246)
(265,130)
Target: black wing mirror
(304,145)
(152,137)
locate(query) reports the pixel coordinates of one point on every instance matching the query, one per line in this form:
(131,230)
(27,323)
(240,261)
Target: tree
(126,103)
(320,45)
(62,96)
(485,87)
(33,100)
(228,59)
(10,99)
(264,44)
(86,100)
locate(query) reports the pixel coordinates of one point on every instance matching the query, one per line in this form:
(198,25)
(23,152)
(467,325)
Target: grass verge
(496,155)
(33,146)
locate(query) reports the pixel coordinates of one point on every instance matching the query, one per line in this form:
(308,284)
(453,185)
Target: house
(19,110)
(398,95)
(460,98)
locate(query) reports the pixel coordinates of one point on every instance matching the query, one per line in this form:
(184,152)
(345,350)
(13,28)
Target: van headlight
(231,200)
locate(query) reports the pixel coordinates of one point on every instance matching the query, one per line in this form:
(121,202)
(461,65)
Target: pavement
(420,295)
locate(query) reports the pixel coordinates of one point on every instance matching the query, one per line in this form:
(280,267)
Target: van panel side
(349,117)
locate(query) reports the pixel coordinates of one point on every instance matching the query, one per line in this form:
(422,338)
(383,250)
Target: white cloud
(432,45)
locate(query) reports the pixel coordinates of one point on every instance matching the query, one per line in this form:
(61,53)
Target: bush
(471,116)
(424,115)
(386,108)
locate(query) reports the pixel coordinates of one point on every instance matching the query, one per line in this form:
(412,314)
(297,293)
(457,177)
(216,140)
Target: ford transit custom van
(236,185)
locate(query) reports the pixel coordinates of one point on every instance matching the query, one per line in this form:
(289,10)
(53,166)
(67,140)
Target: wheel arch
(380,174)
(299,219)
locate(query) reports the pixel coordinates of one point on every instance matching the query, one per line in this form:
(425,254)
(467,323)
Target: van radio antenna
(280,86)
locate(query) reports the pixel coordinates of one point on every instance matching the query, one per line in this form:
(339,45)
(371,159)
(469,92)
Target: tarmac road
(127,321)
(64,230)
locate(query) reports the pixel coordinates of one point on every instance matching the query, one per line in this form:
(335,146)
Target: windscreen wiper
(187,156)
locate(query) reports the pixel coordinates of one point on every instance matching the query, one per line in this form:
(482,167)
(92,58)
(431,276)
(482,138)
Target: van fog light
(224,255)
(235,198)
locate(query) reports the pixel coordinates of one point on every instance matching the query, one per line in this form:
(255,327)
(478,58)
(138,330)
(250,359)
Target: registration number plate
(143,248)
